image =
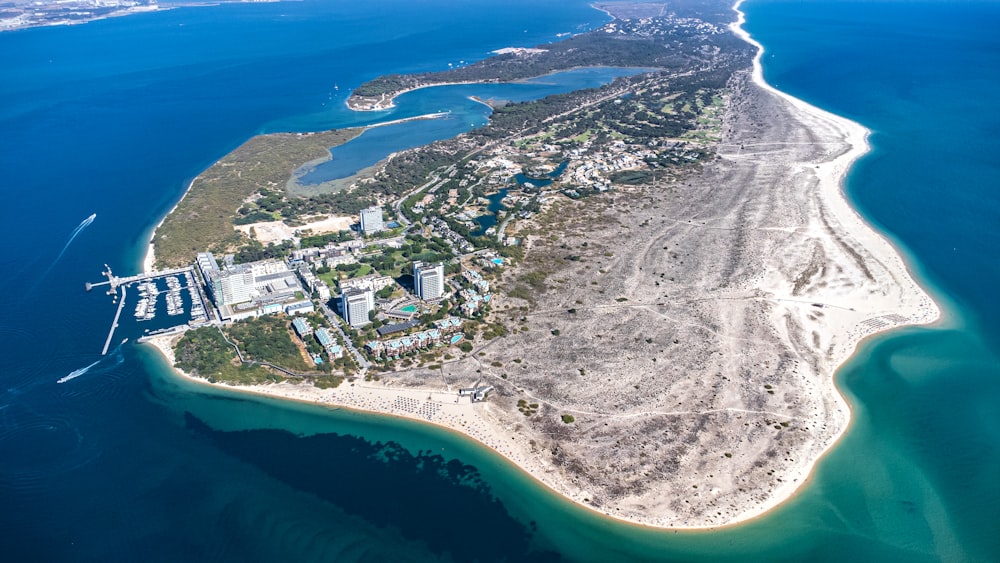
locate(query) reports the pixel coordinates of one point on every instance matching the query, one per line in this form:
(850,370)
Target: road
(359,359)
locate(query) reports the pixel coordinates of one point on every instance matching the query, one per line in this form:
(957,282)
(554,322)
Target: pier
(114,323)
(114,281)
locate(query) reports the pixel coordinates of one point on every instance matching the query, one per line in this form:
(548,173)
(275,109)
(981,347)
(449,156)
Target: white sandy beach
(849,316)
(149,260)
(388,102)
(440,407)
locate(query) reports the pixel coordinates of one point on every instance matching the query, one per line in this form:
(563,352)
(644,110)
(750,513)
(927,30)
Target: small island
(637,293)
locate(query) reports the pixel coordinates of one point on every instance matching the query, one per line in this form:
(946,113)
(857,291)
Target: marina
(182,301)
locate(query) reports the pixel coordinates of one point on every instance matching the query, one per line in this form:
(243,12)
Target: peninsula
(638,294)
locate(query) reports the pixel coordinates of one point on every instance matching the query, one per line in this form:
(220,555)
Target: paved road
(334,319)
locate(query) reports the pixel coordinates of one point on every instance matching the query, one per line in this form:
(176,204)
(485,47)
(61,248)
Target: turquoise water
(126,463)
(490,219)
(541,183)
(463,113)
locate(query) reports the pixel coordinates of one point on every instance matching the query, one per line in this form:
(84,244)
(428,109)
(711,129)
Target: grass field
(203,220)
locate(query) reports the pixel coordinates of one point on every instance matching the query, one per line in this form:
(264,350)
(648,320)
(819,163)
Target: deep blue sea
(126,463)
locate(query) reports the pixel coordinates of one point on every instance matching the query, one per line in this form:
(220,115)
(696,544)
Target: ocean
(125,462)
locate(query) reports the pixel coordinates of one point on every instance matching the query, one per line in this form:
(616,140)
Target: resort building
(472,302)
(371,220)
(449,324)
(302,327)
(398,346)
(329,343)
(207,264)
(428,280)
(371,282)
(356,304)
(248,290)
(230,287)
(476,280)
(313,283)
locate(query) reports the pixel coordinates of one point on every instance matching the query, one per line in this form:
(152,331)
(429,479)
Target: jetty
(174,304)
(114,323)
(114,281)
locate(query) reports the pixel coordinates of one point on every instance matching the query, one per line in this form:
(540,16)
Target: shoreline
(381,399)
(149,259)
(476,427)
(387,104)
(435,115)
(833,176)
(453,413)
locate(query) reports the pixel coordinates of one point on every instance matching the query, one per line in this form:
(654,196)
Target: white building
(356,304)
(268,267)
(373,282)
(371,220)
(428,280)
(232,286)
(313,283)
(249,290)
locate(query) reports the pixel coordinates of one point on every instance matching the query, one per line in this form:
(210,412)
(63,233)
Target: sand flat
(708,318)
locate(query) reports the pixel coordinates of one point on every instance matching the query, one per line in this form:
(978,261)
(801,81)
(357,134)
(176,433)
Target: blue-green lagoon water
(128,463)
(462,112)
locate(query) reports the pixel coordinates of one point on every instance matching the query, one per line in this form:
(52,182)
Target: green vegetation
(568,418)
(637,44)
(526,409)
(328,381)
(632,177)
(205,353)
(323,240)
(253,251)
(203,220)
(266,339)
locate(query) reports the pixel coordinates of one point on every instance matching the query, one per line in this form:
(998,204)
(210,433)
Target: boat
(77,373)
(140,307)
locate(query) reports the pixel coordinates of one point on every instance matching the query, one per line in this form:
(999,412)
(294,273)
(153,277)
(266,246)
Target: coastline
(852,317)
(833,176)
(468,420)
(451,412)
(386,104)
(149,259)
(475,421)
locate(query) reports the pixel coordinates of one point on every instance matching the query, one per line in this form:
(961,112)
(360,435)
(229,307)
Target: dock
(114,323)
(114,281)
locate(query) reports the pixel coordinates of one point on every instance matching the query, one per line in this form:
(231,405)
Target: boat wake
(72,236)
(115,354)
(79,228)
(77,373)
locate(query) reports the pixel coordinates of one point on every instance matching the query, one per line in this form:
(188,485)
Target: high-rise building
(356,304)
(232,286)
(428,280)
(371,220)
